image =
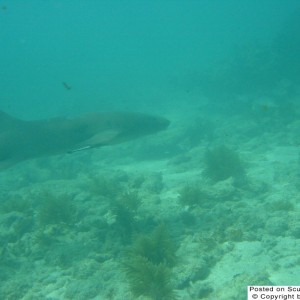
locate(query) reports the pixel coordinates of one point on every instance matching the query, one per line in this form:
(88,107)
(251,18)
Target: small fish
(66,86)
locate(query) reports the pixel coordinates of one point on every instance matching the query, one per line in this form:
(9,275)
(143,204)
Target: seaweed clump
(222,163)
(149,265)
(103,186)
(125,209)
(157,248)
(149,279)
(56,209)
(191,195)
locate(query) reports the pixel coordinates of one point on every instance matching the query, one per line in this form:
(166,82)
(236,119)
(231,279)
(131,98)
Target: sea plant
(103,186)
(222,163)
(55,209)
(157,247)
(192,195)
(16,203)
(124,207)
(281,205)
(149,279)
(149,264)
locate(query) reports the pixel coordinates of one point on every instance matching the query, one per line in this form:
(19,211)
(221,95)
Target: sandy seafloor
(237,234)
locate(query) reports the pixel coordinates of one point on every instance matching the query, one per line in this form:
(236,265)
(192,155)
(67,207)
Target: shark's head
(153,124)
(138,125)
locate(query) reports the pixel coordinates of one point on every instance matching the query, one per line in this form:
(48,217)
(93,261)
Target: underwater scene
(149,150)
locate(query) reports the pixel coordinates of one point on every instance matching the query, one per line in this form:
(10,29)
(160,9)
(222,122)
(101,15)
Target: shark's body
(21,140)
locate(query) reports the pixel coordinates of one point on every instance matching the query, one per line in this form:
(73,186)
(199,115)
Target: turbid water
(200,210)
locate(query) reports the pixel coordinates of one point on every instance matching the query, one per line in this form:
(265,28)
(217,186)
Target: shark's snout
(164,123)
(158,124)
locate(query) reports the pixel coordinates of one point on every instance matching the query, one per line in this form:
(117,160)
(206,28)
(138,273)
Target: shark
(22,140)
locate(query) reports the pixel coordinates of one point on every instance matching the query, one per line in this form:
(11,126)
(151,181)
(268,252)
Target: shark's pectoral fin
(98,140)
(102,139)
